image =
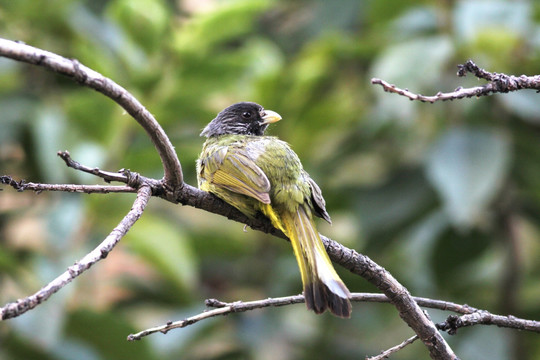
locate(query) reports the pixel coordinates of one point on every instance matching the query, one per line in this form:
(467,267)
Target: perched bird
(257,173)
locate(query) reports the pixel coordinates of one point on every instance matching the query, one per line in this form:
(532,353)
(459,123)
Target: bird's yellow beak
(270,117)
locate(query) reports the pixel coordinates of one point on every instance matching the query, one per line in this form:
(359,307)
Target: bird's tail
(323,289)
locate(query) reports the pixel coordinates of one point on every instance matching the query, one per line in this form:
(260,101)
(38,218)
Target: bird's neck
(230,138)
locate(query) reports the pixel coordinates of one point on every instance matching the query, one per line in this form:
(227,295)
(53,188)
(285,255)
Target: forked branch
(92,79)
(470,316)
(172,188)
(100,252)
(497,83)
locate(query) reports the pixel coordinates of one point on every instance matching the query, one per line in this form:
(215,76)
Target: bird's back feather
(262,173)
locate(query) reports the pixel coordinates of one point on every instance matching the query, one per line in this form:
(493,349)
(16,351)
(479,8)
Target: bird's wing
(318,201)
(232,169)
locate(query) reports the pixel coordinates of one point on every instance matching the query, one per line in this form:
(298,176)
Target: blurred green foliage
(445,196)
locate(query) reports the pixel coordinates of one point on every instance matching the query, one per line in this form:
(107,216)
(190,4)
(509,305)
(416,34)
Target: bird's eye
(246,115)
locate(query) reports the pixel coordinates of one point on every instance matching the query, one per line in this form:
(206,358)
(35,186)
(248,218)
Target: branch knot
(78,74)
(134,180)
(20,185)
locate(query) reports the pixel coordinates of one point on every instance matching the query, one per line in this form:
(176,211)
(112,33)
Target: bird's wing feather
(233,170)
(319,204)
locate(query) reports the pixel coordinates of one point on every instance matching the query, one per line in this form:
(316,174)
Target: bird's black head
(244,118)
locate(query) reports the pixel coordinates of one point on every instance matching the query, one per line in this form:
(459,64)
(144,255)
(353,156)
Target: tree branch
(88,189)
(108,176)
(72,68)
(482,317)
(221,309)
(173,189)
(497,83)
(357,263)
(100,252)
(472,316)
(385,354)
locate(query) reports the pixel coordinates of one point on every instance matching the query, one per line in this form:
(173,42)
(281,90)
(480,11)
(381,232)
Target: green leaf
(145,20)
(480,345)
(415,251)
(417,64)
(456,259)
(105,333)
(45,323)
(493,31)
(524,104)
(475,17)
(16,111)
(414,63)
(48,130)
(416,21)
(230,20)
(467,167)
(63,220)
(164,246)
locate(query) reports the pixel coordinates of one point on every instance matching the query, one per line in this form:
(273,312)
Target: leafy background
(445,196)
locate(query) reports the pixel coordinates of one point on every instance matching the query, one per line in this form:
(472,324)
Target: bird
(257,173)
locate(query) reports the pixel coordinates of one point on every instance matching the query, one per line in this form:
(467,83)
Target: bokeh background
(446,196)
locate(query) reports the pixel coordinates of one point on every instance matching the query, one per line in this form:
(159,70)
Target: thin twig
(176,191)
(239,306)
(385,354)
(356,297)
(422,301)
(355,262)
(497,83)
(459,93)
(399,296)
(482,317)
(105,175)
(132,179)
(88,189)
(100,252)
(92,79)
(453,322)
